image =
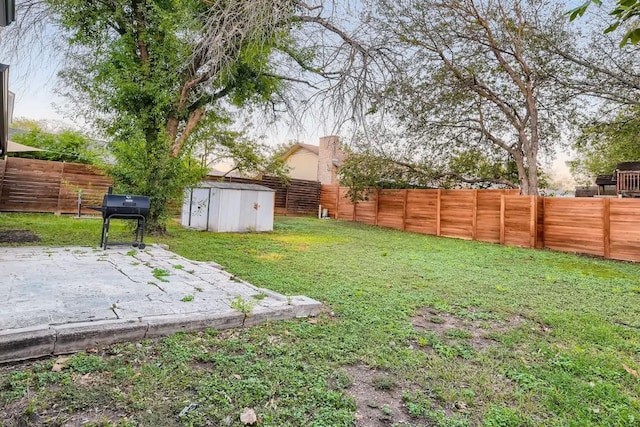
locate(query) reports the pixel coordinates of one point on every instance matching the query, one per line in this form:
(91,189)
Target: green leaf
(632,36)
(579,11)
(612,27)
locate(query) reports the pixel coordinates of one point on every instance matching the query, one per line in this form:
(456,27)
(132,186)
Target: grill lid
(124,204)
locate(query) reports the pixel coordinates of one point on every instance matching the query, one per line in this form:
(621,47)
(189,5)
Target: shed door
(264,211)
(248,211)
(199,208)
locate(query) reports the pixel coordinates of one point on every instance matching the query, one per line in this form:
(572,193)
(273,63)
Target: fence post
(286,200)
(606,222)
(404,210)
(544,223)
(3,168)
(377,205)
(533,221)
(337,199)
(502,210)
(474,219)
(59,207)
(438,212)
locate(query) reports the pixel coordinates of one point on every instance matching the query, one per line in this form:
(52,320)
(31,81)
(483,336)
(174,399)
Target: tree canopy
(384,159)
(477,79)
(160,79)
(65,146)
(133,66)
(604,144)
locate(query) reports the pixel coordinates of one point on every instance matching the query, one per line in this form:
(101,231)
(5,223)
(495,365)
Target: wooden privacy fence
(28,185)
(44,186)
(605,227)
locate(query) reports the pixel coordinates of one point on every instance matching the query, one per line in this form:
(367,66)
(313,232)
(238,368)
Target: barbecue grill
(123,206)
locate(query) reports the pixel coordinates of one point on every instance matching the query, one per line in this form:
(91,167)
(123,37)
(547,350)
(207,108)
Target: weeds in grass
(458,334)
(83,363)
(243,306)
(187,298)
(383,383)
(160,274)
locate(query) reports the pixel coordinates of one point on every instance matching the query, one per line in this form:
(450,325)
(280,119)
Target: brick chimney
(330,157)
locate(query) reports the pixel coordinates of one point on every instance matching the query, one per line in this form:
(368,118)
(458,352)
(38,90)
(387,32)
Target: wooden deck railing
(628,182)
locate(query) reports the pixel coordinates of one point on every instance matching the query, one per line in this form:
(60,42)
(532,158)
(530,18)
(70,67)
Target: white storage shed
(229,207)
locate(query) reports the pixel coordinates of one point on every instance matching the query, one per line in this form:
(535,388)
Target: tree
(151,74)
(607,78)
(602,145)
(246,156)
(65,146)
(603,68)
(477,78)
(384,159)
(625,12)
(135,67)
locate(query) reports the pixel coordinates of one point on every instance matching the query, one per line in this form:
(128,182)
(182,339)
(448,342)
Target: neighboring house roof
(313,148)
(227,173)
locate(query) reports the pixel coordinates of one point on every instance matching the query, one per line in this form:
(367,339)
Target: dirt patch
(475,332)
(20,413)
(378,398)
(18,236)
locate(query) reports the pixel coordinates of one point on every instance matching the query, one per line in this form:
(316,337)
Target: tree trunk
(532,181)
(532,143)
(523,176)
(532,166)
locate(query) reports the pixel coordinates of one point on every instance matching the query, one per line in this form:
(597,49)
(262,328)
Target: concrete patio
(62,300)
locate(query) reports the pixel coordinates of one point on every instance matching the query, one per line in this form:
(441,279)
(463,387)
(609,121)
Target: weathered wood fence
(605,227)
(28,185)
(52,187)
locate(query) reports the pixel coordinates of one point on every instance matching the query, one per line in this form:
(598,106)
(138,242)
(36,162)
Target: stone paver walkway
(61,300)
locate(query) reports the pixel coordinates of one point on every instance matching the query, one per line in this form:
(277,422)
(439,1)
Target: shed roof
(605,180)
(234,186)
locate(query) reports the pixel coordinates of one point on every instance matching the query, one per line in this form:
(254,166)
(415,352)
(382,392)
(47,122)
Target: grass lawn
(418,330)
